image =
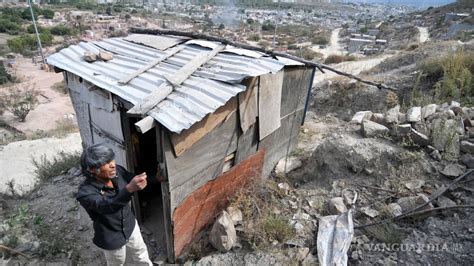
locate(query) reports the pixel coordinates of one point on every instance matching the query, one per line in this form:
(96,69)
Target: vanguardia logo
(415,247)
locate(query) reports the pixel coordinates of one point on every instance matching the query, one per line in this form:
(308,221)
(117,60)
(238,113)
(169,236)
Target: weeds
(22,221)
(391,99)
(264,220)
(335,59)
(453,75)
(48,168)
(21,101)
(60,87)
(63,127)
(385,233)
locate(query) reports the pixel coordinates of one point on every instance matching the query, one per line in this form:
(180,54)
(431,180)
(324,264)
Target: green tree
(47,13)
(268,26)
(4,76)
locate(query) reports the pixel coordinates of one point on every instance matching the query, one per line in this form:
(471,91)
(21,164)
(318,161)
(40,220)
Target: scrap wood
(412,211)
(14,251)
(319,66)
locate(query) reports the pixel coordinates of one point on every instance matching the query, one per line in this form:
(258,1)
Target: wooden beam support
(165,89)
(179,77)
(152,99)
(168,54)
(145,124)
(193,65)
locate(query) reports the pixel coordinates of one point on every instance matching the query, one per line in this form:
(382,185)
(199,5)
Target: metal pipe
(308,95)
(40,47)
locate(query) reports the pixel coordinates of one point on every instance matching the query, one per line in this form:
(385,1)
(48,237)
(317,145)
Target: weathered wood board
(109,121)
(247,144)
(82,115)
(276,144)
(295,88)
(184,140)
(248,104)
(269,103)
(202,162)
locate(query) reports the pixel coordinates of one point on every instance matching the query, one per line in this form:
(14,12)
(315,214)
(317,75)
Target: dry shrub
(335,59)
(60,87)
(391,99)
(49,168)
(264,220)
(453,75)
(20,100)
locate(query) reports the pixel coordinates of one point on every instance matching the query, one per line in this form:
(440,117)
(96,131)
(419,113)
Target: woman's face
(107,170)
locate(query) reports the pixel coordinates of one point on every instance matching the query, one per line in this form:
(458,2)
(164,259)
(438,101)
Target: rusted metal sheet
(201,206)
(202,162)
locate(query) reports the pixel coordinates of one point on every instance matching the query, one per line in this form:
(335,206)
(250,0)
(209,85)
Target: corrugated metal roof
(209,88)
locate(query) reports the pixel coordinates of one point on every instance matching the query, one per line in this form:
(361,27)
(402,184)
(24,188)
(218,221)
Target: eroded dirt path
(334,47)
(351,67)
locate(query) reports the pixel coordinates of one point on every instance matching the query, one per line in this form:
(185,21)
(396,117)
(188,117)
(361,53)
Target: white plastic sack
(334,238)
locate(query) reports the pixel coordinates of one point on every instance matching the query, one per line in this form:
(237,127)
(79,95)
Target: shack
(212,117)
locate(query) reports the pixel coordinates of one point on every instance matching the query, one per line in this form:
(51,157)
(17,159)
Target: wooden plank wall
(276,144)
(294,91)
(202,162)
(82,115)
(87,115)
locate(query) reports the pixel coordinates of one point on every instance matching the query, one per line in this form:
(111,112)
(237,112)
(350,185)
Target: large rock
(369,212)
(391,116)
(378,118)
(428,110)
(457,110)
(342,155)
(372,129)
(292,163)
(235,215)
(454,104)
(422,127)
(468,160)
(223,236)
(453,170)
(445,137)
(459,125)
(361,116)
(467,147)
(408,203)
(106,56)
(414,114)
(336,206)
(90,56)
(401,130)
(419,138)
(445,202)
(394,209)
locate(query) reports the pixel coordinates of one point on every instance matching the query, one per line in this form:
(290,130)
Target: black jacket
(109,209)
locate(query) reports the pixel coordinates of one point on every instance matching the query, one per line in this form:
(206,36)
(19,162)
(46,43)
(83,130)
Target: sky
(418,3)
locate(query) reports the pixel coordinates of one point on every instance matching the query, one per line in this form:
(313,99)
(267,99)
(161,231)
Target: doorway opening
(145,157)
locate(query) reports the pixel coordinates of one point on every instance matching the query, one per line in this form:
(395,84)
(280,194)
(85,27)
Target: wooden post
(165,192)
